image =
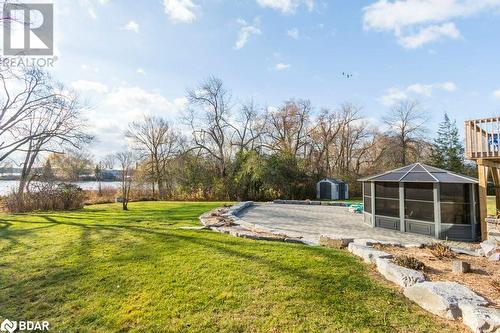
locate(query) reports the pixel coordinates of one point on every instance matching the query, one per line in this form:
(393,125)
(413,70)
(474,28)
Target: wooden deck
(482,138)
(482,144)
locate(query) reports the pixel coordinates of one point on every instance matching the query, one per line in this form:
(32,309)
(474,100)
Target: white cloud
(131,26)
(496,93)
(430,18)
(293,33)
(286,6)
(180,10)
(89,68)
(448,86)
(89,86)
(245,32)
(429,34)
(140,71)
(394,94)
(90,6)
(110,117)
(281,66)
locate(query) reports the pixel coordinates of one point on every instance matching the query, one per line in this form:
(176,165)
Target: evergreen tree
(448,150)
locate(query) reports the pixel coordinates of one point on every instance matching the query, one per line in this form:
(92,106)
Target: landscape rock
(469,252)
(368,254)
(460,267)
(489,247)
(494,257)
(371,242)
(414,245)
(336,242)
(236,209)
(444,299)
(481,319)
(402,276)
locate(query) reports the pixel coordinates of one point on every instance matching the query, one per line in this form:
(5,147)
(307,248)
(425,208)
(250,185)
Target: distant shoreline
(6,185)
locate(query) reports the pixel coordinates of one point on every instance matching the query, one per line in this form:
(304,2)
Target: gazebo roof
(420,173)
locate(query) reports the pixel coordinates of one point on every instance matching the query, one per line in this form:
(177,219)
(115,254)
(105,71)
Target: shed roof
(332,180)
(420,173)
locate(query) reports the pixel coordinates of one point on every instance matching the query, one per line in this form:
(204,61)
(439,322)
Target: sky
(129,58)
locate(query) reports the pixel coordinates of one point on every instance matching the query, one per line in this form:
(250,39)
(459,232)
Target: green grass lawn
(492,209)
(105,270)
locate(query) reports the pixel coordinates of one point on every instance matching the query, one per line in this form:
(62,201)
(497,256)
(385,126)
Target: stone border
(240,228)
(449,300)
(493,228)
(311,202)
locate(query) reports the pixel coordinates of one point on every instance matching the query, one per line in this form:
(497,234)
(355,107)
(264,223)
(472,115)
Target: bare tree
(24,97)
(126,161)
(157,143)
(49,128)
(288,127)
(208,118)
(406,122)
(324,136)
(249,128)
(108,162)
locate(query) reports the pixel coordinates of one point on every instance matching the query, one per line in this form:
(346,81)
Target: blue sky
(130,58)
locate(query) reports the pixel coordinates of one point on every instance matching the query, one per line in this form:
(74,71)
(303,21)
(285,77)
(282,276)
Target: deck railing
(482,138)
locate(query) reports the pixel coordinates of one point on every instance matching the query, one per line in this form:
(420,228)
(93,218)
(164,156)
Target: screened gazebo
(424,200)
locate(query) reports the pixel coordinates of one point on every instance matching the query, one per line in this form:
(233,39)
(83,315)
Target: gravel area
(311,221)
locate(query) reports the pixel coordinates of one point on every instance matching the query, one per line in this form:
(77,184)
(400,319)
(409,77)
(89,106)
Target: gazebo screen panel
(419,201)
(387,199)
(455,203)
(367,198)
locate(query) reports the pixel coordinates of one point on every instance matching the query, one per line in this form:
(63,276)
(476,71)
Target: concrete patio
(310,222)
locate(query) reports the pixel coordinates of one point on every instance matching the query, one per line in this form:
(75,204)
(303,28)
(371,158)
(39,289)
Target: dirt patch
(484,278)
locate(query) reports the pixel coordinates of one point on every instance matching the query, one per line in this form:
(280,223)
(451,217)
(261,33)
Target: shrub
(440,250)
(46,196)
(409,262)
(107,195)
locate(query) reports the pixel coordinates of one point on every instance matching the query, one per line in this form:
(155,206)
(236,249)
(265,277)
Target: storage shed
(332,189)
(424,200)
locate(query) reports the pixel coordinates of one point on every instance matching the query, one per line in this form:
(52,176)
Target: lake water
(6,186)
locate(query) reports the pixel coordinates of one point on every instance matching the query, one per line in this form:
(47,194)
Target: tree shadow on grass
(347,281)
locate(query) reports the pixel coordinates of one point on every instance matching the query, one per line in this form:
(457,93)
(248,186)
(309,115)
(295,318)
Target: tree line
(219,149)
(247,152)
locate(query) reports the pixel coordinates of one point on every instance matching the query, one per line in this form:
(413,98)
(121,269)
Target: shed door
(341,191)
(325,190)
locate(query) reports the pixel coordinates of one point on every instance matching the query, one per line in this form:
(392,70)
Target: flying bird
(347,75)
